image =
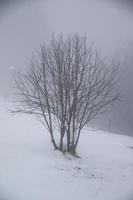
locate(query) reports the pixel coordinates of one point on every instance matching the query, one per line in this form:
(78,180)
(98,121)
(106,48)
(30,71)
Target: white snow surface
(31,170)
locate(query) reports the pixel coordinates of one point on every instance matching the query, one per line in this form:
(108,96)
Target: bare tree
(66,87)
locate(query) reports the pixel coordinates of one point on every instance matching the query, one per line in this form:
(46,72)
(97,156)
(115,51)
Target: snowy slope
(31,170)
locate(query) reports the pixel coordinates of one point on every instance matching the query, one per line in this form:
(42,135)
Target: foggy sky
(109,25)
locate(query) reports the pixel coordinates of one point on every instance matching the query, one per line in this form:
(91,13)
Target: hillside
(31,170)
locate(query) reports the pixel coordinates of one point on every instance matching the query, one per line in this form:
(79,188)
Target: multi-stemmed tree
(66,86)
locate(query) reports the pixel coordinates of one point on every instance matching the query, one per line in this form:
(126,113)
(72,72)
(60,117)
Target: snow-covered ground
(31,170)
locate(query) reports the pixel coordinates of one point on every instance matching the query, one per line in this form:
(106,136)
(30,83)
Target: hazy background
(24,25)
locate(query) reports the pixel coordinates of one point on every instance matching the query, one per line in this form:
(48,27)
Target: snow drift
(31,170)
